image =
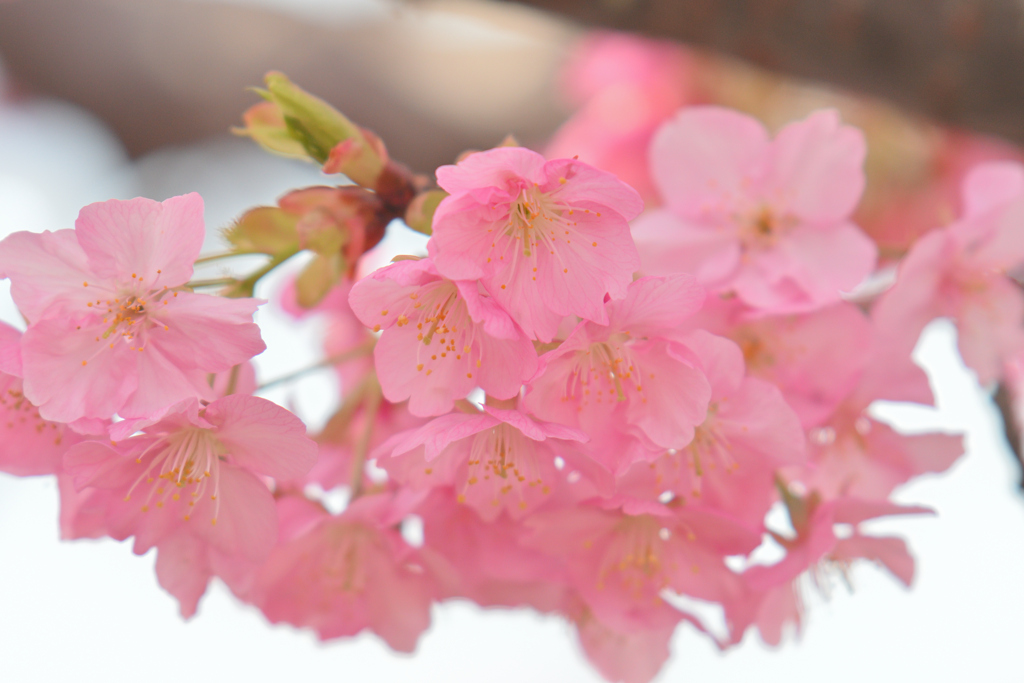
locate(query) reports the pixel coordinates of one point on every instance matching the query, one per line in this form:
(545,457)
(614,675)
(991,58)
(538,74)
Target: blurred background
(120,98)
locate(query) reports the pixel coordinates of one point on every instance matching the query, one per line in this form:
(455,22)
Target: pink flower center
(20,413)
(762,228)
(757,353)
(710,450)
(129,313)
(180,468)
(608,371)
(633,557)
(506,462)
(642,556)
(343,567)
(443,325)
(539,224)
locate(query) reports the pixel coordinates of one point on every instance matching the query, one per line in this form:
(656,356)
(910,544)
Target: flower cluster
(127,385)
(571,405)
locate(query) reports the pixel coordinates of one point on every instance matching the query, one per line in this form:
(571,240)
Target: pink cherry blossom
(634,655)
(620,563)
(853,454)
(194,472)
(496,460)
(28,444)
(730,465)
(959,272)
(815,359)
(112,329)
(485,560)
(440,338)
(772,595)
(341,574)
(630,384)
(766,219)
(547,239)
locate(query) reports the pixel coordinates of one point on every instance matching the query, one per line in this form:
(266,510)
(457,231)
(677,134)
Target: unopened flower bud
(265,124)
(420,214)
(264,230)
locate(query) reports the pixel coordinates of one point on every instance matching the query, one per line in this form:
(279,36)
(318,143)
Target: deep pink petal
(989,328)
(491,167)
(463,235)
(380,297)
(29,445)
(855,510)
(632,657)
(437,434)
(96,464)
(161,384)
(721,360)
(808,269)
(505,365)
(485,310)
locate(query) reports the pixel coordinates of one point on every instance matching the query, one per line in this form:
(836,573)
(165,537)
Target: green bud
(264,230)
(313,283)
(420,214)
(316,125)
(265,124)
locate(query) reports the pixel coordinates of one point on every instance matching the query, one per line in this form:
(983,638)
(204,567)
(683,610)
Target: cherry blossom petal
(48,268)
(816,168)
(262,436)
(155,241)
(702,158)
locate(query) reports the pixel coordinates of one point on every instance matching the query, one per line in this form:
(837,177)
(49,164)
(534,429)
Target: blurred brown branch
(1003,400)
(173,71)
(957,61)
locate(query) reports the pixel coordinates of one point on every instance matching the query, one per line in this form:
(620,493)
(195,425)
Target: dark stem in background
(957,61)
(1004,402)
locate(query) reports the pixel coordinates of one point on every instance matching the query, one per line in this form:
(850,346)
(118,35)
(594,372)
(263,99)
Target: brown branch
(165,72)
(1011,430)
(957,61)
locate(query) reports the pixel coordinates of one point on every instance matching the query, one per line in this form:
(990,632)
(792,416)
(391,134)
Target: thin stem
(336,429)
(362,350)
(371,406)
(215,282)
(233,380)
(224,254)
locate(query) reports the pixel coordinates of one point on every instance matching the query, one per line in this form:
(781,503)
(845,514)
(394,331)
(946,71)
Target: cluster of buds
(337,224)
